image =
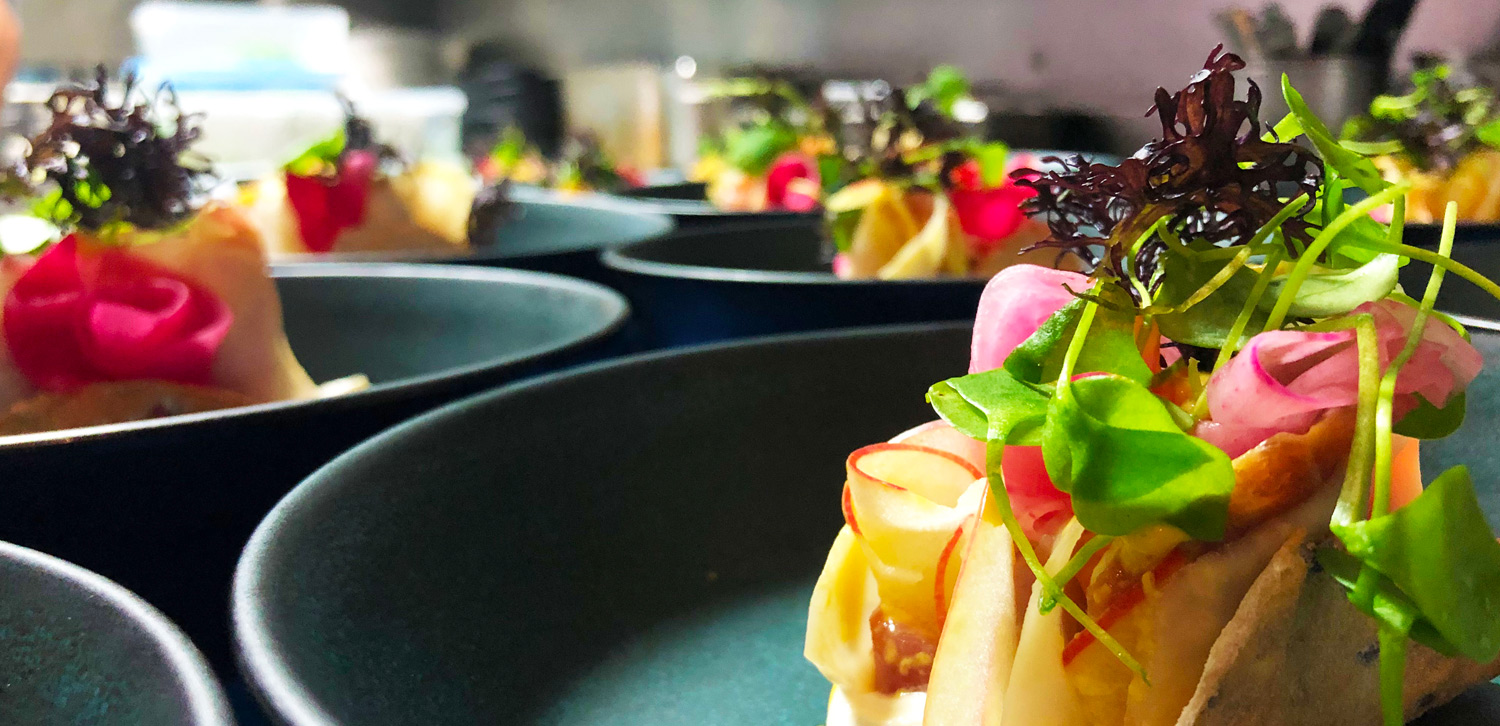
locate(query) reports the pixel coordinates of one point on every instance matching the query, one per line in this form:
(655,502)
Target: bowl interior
(783,246)
(632,545)
(549,226)
(395,327)
(78,649)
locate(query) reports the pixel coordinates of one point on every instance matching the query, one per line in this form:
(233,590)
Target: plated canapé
(154,302)
(1184,487)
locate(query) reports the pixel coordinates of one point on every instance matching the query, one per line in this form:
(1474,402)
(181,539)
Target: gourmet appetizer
(583,166)
(351,194)
(1183,488)
(152,304)
(770,162)
(924,199)
(1443,138)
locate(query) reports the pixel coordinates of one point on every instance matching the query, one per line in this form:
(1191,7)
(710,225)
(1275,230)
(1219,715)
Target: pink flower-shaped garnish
(792,184)
(326,207)
(80,316)
(1284,380)
(987,214)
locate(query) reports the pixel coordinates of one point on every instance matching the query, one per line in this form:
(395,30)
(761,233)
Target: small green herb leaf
(1440,552)
(1110,347)
(1208,323)
(1114,446)
(944,86)
(319,156)
(1427,421)
(1335,292)
(1349,165)
(991,406)
(754,149)
(991,158)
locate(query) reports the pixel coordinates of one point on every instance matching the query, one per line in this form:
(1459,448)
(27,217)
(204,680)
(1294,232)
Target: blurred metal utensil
(1276,34)
(1379,32)
(1334,32)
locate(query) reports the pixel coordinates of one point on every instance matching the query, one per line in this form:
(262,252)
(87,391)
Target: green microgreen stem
(1069,571)
(1080,334)
(994,454)
(1141,287)
(1392,675)
(1436,260)
(1333,197)
(1309,258)
(1351,505)
(1241,321)
(1381,500)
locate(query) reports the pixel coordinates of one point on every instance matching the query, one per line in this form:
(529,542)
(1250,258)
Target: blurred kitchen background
(440,76)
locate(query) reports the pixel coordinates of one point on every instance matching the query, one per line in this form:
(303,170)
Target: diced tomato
(903,655)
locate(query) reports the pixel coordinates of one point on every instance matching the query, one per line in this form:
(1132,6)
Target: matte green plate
(631,544)
(76,648)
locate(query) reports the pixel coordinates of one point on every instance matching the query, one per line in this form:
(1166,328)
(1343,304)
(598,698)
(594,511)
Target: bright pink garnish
(1037,502)
(80,316)
(987,214)
(792,184)
(1284,380)
(1015,303)
(324,207)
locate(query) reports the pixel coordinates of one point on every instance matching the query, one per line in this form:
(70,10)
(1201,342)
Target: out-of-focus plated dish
(350,198)
(147,301)
(78,648)
(582,165)
(163,506)
(1443,137)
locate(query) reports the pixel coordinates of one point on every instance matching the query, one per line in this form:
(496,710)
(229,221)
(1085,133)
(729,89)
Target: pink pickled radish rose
(1284,380)
(82,316)
(1015,303)
(792,184)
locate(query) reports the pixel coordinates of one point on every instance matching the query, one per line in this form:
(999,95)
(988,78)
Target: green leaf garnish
(1349,165)
(1114,446)
(945,86)
(1427,421)
(754,149)
(1440,552)
(319,157)
(1109,347)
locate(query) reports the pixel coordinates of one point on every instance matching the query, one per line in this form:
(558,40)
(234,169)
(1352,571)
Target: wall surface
(82,33)
(1102,55)
(1091,54)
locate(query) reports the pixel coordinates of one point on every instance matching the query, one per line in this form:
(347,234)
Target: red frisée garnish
(1127,601)
(81,316)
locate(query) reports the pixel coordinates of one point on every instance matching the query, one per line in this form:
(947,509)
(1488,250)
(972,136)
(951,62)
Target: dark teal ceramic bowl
(163,507)
(76,648)
(1479,251)
(687,204)
(764,278)
(634,543)
(550,233)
